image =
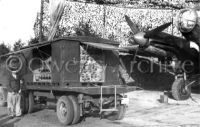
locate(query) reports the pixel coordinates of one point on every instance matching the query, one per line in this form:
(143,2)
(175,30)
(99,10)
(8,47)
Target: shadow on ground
(6,121)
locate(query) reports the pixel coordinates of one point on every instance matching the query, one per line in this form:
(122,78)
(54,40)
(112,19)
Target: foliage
(33,41)
(60,32)
(84,29)
(175,4)
(4,49)
(18,45)
(108,22)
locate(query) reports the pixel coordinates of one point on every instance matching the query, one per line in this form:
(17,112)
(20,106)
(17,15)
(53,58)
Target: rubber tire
(24,103)
(66,120)
(30,102)
(176,90)
(76,108)
(118,115)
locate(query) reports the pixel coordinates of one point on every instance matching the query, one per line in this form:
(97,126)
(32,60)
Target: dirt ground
(144,110)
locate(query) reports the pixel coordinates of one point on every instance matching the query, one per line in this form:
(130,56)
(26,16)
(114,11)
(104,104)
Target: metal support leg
(101,99)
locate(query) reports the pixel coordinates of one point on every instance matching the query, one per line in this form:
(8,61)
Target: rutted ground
(144,110)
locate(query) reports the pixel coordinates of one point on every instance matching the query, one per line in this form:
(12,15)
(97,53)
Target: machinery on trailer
(56,71)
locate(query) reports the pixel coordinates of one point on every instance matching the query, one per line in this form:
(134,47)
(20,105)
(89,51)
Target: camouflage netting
(107,22)
(90,70)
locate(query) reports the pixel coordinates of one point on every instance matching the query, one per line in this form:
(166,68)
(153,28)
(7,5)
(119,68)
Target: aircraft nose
(140,39)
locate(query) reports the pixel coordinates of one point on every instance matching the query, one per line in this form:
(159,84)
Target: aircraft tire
(178,90)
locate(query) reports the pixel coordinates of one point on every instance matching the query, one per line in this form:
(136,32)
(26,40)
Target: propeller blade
(157,30)
(133,27)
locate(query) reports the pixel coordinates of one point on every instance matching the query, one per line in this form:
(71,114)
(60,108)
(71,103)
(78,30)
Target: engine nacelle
(189,25)
(187,20)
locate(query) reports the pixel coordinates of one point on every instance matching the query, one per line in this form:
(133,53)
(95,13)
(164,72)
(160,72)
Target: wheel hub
(184,90)
(63,109)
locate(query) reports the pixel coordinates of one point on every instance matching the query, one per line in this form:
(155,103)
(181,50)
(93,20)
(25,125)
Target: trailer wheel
(179,92)
(118,115)
(76,108)
(65,111)
(24,103)
(30,102)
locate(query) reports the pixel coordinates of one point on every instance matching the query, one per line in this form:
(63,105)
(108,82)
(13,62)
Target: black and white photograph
(100,63)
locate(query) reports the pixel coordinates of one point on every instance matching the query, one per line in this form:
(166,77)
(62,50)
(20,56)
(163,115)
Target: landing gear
(180,90)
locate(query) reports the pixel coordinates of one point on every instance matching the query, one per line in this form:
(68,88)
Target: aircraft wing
(149,51)
(104,46)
